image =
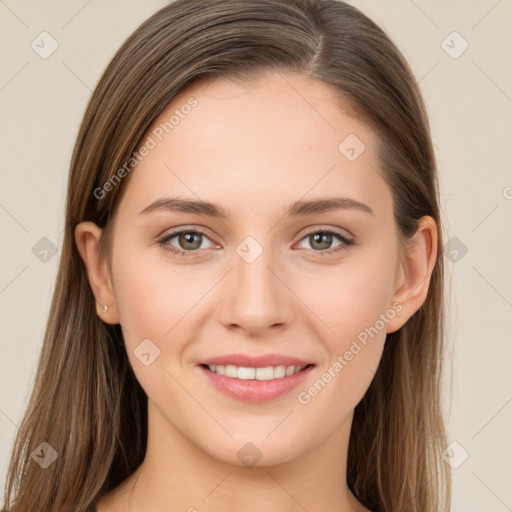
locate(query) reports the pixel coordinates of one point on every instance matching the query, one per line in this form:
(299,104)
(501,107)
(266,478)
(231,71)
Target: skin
(254,150)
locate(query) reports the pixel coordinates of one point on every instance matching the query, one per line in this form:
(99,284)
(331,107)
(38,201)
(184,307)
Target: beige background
(469,99)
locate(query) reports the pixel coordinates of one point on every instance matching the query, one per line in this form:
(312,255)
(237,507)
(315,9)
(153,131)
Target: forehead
(251,144)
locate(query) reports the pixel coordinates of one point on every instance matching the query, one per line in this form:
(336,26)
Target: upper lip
(262,361)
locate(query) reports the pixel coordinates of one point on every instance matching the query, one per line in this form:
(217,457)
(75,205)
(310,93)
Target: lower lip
(252,390)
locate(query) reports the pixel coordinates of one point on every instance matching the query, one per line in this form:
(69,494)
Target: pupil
(189,238)
(324,239)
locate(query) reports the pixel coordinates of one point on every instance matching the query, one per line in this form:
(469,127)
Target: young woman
(249,306)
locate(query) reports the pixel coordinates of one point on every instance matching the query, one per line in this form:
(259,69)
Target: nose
(256,296)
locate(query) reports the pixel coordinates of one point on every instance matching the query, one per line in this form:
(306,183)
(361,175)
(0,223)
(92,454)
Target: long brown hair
(86,402)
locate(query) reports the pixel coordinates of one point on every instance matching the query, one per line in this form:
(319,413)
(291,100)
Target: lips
(255,391)
(248,389)
(262,361)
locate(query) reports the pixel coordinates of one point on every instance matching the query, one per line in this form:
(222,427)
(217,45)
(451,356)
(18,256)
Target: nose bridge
(256,298)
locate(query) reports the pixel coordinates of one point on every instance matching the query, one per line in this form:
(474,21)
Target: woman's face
(268,278)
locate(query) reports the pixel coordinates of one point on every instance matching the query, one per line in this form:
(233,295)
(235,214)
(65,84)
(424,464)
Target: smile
(247,373)
(255,384)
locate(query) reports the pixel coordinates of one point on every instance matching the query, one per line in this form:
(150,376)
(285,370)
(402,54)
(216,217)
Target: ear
(413,272)
(87,238)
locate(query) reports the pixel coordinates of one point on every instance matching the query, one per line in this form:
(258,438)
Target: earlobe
(415,268)
(87,238)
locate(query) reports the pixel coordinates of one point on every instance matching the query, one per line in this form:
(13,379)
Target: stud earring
(105,308)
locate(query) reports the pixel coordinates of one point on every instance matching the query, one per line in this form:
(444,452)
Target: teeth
(290,370)
(247,373)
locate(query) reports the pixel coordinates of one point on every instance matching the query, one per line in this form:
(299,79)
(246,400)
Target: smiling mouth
(256,373)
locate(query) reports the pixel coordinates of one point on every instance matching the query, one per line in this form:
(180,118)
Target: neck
(177,475)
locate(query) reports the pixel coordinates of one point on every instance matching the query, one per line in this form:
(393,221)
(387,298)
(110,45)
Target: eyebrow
(315,206)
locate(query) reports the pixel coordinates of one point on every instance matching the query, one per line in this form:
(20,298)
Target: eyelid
(309,230)
(172,232)
(319,227)
(345,239)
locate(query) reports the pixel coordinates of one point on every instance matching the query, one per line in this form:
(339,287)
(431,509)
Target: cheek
(346,299)
(153,295)
(354,349)
(156,303)
(352,309)
(163,303)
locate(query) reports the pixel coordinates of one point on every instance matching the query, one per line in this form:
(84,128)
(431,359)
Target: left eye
(321,241)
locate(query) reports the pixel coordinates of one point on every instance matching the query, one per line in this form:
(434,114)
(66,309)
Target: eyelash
(347,242)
